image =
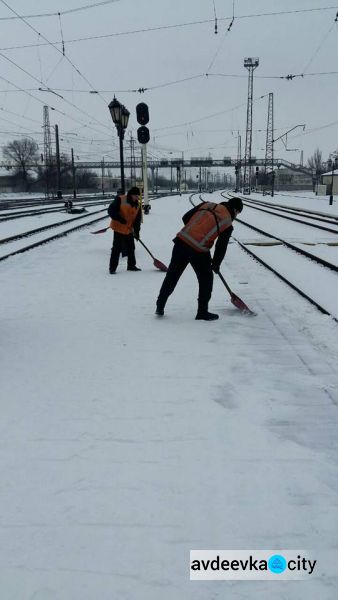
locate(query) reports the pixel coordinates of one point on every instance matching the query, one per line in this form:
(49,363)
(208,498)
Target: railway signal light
(143,135)
(142,113)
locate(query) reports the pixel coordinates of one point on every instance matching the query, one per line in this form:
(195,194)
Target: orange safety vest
(129,213)
(208,222)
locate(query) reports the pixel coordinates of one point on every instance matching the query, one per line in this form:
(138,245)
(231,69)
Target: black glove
(122,220)
(136,236)
(215,267)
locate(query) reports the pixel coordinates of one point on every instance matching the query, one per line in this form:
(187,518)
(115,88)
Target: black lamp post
(120,116)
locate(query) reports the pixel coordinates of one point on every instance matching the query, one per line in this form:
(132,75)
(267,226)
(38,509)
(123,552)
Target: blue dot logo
(277,563)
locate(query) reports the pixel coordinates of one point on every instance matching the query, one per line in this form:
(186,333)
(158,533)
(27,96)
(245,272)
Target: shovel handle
(225,283)
(147,249)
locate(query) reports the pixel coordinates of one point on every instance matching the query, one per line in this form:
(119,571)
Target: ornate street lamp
(120,116)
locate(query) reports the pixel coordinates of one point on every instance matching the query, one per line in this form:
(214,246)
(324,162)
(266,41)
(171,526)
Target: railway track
(12,203)
(20,236)
(279,211)
(49,210)
(64,232)
(51,238)
(319,270)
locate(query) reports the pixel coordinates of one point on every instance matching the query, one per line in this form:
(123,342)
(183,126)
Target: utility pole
(152,169)
(132,161)
(269,147)
(334,166)
(47,150)
(238,165)
(102,176)
(250,64)
(145,178)
(74,174)
(58,164)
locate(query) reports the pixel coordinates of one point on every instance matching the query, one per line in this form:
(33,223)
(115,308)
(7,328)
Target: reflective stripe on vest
(205,226)
(129,213)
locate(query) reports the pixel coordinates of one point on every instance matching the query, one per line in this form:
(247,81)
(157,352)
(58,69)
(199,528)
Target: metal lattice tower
(251,64)
(268,164)
(239,163)
(47,151)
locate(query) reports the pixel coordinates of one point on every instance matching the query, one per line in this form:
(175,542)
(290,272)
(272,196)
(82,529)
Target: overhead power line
(169,83)
(44,103)
(53,46)
(222,112)
(176,26)
(61,12)
(48,89)
(320,45)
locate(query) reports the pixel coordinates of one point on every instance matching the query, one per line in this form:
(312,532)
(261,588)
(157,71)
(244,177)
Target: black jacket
(223,239)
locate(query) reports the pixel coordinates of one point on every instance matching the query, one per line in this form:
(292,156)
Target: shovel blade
(99,230)
(159,265)
(236,301)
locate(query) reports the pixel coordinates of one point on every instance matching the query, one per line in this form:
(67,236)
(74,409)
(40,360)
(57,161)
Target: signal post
(142,115)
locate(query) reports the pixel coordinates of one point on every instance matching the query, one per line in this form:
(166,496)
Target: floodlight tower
(269,173)
(251,64)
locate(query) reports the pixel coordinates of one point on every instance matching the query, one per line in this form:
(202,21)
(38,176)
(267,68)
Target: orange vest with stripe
(205,226)
(129,213)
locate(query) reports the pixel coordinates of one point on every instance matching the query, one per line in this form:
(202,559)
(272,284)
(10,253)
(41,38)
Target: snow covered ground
(128,440)
(301,199)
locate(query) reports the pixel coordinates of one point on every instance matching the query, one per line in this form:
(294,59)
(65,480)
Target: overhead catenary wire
(63,12)
(53,46)
(319,47)
(52,107)
(49,89)
(175,26)
(176,82)
(187,123)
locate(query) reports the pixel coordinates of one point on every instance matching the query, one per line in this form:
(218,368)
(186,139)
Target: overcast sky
(198,116)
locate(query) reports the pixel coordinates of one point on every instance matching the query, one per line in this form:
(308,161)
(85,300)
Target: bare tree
(315,162)
(22,153)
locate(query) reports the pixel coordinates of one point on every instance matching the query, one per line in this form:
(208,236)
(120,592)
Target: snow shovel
(157,263)
(236,301)
(100,230)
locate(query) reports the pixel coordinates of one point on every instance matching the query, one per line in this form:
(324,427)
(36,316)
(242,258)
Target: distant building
(286,179)
(326,180)
(7,184)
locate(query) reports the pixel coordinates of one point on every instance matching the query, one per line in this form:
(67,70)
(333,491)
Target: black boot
(159,309)
(133,269)
(204,315)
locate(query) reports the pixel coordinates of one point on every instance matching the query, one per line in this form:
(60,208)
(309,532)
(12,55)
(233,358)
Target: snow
(302,199)
(128,440)
(17,226)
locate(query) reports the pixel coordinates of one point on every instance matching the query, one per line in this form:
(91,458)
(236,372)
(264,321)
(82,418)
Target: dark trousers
(201,263)
(125,245)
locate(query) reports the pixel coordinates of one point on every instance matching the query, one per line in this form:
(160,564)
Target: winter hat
(235,204)
(134,191)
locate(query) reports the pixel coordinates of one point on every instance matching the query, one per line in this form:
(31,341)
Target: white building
(326,179)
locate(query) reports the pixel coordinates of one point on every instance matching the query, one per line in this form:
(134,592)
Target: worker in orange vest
(125,214)
(202,226)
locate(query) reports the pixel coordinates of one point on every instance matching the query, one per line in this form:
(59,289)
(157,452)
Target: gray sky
(285,44)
